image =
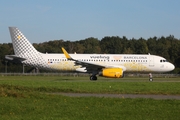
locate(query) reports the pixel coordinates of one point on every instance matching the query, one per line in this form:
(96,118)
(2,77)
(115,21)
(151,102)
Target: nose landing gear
(150,77)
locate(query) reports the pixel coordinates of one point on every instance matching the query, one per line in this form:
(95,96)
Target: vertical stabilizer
(21,45)
(23,49)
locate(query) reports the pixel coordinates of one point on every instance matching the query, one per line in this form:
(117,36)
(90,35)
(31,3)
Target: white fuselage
(128,62)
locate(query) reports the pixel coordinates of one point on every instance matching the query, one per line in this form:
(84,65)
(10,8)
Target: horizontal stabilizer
(14,58)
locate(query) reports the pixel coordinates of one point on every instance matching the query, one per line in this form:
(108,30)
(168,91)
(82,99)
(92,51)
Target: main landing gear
(93,77)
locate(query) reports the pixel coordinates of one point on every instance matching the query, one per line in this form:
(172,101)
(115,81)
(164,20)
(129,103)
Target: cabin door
(151,61)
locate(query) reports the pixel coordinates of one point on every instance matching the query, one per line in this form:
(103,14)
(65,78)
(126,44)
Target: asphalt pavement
(177,97)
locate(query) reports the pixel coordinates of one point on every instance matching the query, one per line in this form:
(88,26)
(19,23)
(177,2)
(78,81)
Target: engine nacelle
(112,72)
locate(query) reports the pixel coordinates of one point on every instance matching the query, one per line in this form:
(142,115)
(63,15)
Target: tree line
(167,47)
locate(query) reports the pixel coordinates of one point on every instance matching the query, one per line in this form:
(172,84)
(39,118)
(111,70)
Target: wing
(89,65)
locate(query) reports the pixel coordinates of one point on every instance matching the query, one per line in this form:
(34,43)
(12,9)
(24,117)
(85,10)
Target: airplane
(106,65)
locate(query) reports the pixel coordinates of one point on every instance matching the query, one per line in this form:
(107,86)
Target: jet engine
(112,72)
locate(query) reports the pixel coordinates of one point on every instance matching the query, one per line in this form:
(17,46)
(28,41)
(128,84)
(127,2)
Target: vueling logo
(99,57)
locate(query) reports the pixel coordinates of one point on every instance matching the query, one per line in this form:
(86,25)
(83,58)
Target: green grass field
(25,97)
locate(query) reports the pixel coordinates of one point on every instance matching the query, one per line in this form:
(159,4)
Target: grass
(24,97)
(103,85)
(47,107)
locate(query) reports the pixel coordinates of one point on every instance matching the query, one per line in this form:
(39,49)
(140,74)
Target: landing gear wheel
(93,77)
(150,79)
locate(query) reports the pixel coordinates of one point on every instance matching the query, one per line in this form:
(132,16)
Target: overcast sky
(45,20)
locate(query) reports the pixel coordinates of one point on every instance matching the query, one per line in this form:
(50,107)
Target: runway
(157,97)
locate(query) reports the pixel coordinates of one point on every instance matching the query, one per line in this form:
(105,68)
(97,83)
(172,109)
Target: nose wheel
(93,77)
(150,77)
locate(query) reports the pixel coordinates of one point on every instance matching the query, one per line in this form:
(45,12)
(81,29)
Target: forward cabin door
(151,61)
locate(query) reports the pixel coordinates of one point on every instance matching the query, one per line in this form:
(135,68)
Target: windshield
(163,60)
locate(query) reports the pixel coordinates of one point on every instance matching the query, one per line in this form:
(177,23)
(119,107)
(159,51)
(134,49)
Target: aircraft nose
(171,67)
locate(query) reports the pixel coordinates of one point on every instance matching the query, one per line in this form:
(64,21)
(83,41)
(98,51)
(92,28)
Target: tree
(91,45)
(112,45)
(79,48)
(152,45)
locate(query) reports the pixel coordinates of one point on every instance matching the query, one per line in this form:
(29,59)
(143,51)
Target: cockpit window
(163,61)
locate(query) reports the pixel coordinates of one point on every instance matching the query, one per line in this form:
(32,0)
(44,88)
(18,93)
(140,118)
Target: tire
(150,79)
(93,78)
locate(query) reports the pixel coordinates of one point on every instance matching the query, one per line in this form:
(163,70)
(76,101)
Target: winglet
(66,54)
